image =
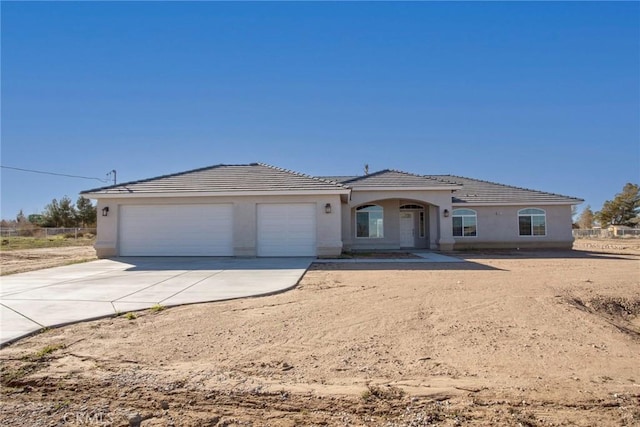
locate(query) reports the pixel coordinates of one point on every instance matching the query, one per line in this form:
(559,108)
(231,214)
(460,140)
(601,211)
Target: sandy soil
(20,261)
(521,338)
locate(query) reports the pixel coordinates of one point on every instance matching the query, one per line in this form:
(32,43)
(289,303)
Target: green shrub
(157,308)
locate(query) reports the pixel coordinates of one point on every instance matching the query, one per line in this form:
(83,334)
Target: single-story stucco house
(260,210)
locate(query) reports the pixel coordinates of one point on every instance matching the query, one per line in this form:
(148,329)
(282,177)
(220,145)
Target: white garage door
(176,230)
(287,229)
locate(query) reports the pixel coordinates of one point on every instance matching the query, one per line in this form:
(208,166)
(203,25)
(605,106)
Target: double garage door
(207,230)
(176,230)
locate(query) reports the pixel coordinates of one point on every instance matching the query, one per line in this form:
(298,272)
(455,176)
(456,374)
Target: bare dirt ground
(22,260)
(509,338)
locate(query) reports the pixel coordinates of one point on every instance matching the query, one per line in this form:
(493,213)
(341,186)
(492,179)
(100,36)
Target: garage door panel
(176,230)
(287,229)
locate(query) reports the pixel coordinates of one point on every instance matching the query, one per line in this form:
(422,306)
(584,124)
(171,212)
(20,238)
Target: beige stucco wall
(497,225)
(438,235)
(498,228)
(328,226)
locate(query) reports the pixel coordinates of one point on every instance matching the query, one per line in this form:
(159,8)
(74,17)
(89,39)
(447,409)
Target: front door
(407,231)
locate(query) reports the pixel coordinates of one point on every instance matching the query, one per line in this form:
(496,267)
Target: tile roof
(475,191)
(261,177)
(224,178)
(395,179)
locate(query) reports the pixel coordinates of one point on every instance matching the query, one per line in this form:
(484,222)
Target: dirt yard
(22,260)
(509,338)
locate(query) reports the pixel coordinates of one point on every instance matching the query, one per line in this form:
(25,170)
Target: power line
(53,173)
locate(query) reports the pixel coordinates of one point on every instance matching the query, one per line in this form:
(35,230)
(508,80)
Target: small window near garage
(369,222)
(465,223)
(532,222)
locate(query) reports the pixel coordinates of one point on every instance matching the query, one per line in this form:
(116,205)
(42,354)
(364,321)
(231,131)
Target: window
(369,222)
(532,222)
(465,223)
(421,223)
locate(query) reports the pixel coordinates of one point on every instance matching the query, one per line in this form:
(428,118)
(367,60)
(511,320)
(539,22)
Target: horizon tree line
(60,213)
(623,209)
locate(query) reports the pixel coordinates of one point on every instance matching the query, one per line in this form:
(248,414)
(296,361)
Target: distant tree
(624,209)
(51,214)
(86,212)
(574,212)
(586,218)
(23,225)
(60,214)
(68,214)
(20,218)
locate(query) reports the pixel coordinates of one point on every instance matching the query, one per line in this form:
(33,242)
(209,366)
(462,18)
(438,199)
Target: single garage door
(287,229)
(176,230)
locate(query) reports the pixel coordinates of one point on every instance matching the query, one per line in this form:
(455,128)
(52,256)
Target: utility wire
(53,173)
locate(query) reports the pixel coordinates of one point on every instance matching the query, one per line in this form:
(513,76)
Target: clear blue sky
(543,95)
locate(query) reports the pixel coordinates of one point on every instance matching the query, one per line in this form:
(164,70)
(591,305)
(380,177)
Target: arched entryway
(410,222)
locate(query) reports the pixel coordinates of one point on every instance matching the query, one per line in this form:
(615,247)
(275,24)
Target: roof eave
(439,188)
(519,203)
(181,194)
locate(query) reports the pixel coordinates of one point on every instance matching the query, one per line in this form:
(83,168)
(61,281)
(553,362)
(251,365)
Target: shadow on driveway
(212,263)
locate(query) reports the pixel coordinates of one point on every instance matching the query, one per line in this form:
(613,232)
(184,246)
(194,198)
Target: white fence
(46,232)
(597,233)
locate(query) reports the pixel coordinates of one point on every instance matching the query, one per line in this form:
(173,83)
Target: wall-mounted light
(327,208)
(446,213)
(105,211)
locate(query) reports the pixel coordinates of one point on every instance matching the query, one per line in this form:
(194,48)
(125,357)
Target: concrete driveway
(60,295)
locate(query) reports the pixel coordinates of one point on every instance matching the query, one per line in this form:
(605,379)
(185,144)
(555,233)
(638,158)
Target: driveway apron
(61,295)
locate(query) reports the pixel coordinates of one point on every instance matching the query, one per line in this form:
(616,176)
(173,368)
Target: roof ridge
(441,179)
(336,176)
(169,175)
(304,175)
(420,176)
(407,173)
(368,175)
(515,187)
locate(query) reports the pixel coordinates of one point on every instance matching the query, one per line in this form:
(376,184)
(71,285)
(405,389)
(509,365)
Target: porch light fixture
(446,213)
(327,208)
(105,211)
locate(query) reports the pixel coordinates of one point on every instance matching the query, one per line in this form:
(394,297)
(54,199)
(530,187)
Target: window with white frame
(465,223)
(532,222)
(369,222)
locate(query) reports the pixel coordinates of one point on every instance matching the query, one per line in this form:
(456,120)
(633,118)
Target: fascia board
(520,203)
(120,195)
(456,187)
